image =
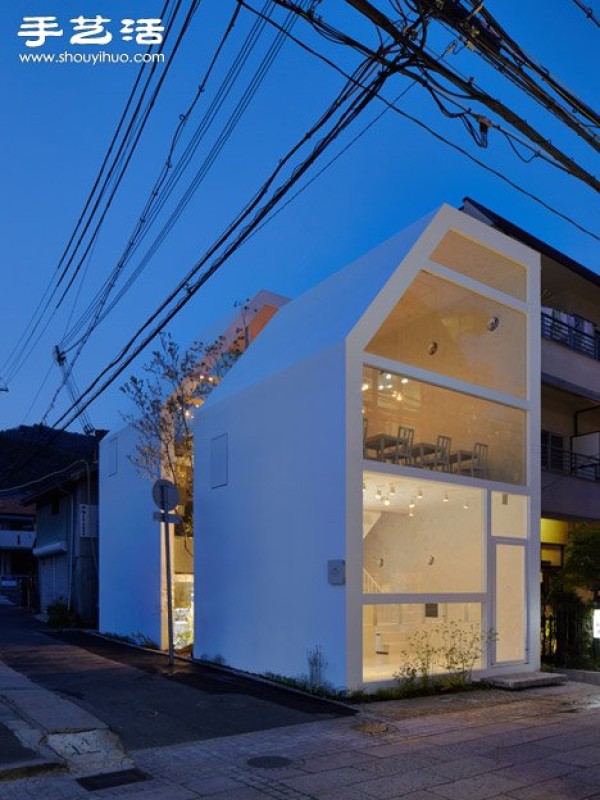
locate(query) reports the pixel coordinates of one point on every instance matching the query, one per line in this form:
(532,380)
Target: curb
(26,769)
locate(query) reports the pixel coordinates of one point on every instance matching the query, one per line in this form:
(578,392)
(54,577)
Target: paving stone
(349,758)
(463,767)
(521,753)
(399,763)
(477,787)
(566,788)
(402,783)
(583,756)
(330,779)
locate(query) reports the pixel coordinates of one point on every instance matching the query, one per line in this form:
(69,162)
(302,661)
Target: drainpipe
(71,540)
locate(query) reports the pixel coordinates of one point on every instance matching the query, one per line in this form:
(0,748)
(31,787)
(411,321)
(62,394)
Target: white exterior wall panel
(131,583)
(264,540)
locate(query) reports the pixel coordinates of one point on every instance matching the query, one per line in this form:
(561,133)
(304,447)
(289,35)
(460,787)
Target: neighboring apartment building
(53,473)
(66,544)
(17,535)
(570,392)
(132,554)
(369,473)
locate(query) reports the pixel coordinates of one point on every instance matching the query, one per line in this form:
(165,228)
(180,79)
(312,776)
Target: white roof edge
(339,302)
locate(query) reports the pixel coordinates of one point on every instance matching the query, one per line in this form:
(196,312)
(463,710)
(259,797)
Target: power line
(391,106)
(16,358)
(379,19)
(200,175)
(589,12)
(152,210)
(129,352)
(120,162)
(483,32)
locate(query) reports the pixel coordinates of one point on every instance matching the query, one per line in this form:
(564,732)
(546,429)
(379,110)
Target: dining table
(380,442)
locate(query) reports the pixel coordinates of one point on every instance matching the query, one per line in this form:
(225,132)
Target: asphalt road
(135,692)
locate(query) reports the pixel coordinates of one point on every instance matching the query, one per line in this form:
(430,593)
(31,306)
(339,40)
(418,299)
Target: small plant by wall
(60,616)
(442,657)
(317,665)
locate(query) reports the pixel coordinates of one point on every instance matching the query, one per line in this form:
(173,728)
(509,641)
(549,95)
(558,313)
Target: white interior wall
(264,540)
(437,550)
(129,546)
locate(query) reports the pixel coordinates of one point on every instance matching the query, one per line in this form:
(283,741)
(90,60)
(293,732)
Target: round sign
(165,494)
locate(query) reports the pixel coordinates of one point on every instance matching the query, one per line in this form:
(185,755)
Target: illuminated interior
(391,400)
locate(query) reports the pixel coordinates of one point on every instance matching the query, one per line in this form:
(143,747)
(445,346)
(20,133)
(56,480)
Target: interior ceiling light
(411,513)
(404,381)
(466,505)
(388,376)
(386,501)
(446,498)
(392,490)
(411,504)
(365,386)
(378,493)
(420,494)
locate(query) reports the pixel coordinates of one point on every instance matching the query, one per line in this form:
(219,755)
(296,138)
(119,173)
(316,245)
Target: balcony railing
(565,462)
(569,334)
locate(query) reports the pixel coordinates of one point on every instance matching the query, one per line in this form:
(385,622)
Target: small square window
(431,611)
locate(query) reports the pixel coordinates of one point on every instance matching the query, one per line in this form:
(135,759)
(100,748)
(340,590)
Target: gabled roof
(322,316)
(512,230)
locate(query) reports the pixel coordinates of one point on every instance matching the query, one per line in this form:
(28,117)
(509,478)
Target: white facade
(132,593)
(437,330)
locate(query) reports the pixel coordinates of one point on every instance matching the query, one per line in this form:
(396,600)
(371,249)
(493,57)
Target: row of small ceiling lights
(385,382)
(384,497)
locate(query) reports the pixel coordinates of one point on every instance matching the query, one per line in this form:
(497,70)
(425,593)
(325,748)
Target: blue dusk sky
(59,118)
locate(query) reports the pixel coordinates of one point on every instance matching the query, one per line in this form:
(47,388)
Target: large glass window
(399,634)
(509,515)
(487,266)
(421,538)
(442,327)
(416,424)
(510,602)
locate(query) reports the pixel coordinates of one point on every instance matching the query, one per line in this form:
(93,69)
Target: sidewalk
(538,744)
(541,744)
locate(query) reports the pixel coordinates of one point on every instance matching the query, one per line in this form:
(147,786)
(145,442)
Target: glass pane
(482,264)
(472,338)
(183,611)
(422,538)
(399,634)
(509,515)
(482,440)
(510,602)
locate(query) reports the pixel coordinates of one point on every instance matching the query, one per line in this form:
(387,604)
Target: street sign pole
(167,531)
(166,497)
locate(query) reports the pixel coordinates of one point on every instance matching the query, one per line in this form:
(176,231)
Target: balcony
(566,462)
(572,331)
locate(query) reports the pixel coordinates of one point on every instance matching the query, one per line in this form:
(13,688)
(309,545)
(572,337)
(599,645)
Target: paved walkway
(541,744)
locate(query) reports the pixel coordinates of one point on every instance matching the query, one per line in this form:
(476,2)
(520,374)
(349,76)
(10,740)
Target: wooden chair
(479,464)
(402,452)
(440,458)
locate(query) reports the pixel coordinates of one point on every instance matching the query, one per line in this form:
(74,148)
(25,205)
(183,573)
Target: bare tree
(175,382)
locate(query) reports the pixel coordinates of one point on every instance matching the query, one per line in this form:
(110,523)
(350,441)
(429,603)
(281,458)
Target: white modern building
(369,471)
(132,591)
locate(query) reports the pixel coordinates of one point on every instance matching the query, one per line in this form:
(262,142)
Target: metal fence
(570,335)
(566,462)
